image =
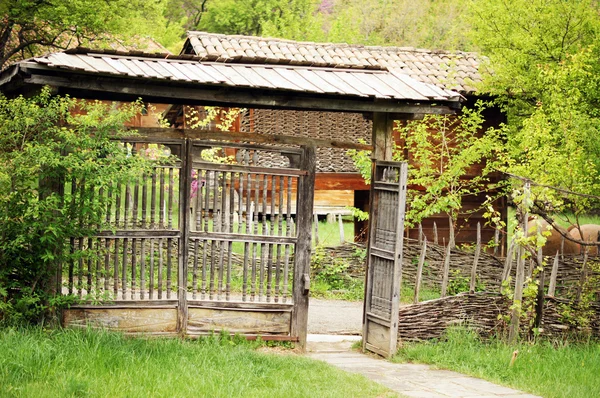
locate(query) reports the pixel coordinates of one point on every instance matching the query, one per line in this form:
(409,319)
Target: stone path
(411,380)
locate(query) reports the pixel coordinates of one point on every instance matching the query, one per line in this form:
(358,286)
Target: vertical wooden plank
(80,270)
(248,231)
(136,200)
(143,264)
(195,271)
(185,220)
(305,201)
(231,227)
(151,269)
(316,223)
(420,270)
(435,234)
(159,284)
(382,138)
(144,199)
(539,304)
(288,232)
(116,270)
(133,266)
(278,246)
(124,268)
(341,225)
(90,262)
(153,207)
(127,211)
(475,260)
(118,205)
(255,232)
(204,265)
(71,264)
(161,198)
(171,194)
(553,276)
(109,193)
(420,237)
(106,263)
(169,266)
(199,201)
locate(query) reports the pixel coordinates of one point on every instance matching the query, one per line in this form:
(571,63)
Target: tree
(543,69)
(31,27)
(44,147)
(442,152)
(290,19)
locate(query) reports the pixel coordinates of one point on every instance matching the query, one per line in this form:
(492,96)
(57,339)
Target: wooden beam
(340,181)
(303,248)
(383,140)
(81,85)
(198,134)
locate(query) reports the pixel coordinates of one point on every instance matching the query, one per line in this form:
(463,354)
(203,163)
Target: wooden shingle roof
(377,84)
(449,70)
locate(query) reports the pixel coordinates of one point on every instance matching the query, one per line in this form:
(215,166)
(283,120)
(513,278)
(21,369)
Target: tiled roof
(377,84)
(450,70)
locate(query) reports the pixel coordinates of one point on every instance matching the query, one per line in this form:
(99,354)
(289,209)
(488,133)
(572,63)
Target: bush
(46,141)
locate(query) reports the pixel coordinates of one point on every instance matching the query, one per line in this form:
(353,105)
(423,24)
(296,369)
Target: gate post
(304,211)
(184,221)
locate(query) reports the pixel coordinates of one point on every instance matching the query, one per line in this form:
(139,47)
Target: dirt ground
(335,317)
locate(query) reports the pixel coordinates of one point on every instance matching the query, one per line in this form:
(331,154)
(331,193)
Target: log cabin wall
(338,183)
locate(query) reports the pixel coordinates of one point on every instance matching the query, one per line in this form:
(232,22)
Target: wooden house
(338,184)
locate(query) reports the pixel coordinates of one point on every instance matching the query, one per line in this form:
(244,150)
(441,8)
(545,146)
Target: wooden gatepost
(197,246)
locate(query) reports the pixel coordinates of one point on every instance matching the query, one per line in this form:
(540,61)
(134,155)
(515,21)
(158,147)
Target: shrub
(46,141)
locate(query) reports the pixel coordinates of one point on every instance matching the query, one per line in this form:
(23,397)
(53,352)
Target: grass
(552,370)
(70,363)
(329,233)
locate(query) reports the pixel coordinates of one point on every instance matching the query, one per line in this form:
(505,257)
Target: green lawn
(551,370)
(69,363)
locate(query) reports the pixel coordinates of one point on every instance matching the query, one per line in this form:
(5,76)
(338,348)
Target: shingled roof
(449,70)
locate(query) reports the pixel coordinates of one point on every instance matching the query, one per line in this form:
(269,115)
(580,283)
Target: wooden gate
(384,267)
(211,241)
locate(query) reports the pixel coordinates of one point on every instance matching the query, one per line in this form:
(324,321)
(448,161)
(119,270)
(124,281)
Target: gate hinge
(306,282)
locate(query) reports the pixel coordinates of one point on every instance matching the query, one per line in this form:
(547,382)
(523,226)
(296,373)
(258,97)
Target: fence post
(420,270)
(446,269)
(508,261)
(476,259)
(583,275)
(553,275)
(316,222)
(420,238)
(539,305)
(519,279)
(435,234)
(341,224)
(496,240)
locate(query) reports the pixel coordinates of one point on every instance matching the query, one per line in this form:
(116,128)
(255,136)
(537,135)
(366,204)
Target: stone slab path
(410,380)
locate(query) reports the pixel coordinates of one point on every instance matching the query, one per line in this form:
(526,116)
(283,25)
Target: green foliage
(441,150)
(543,68)
(458,283)
(331,278)
(64,363)
(32,27)
(43,145)
(551,369)
(290,19)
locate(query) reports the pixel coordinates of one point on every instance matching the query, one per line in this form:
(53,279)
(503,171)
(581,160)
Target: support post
(382,137)
(304,211)
(185,184)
